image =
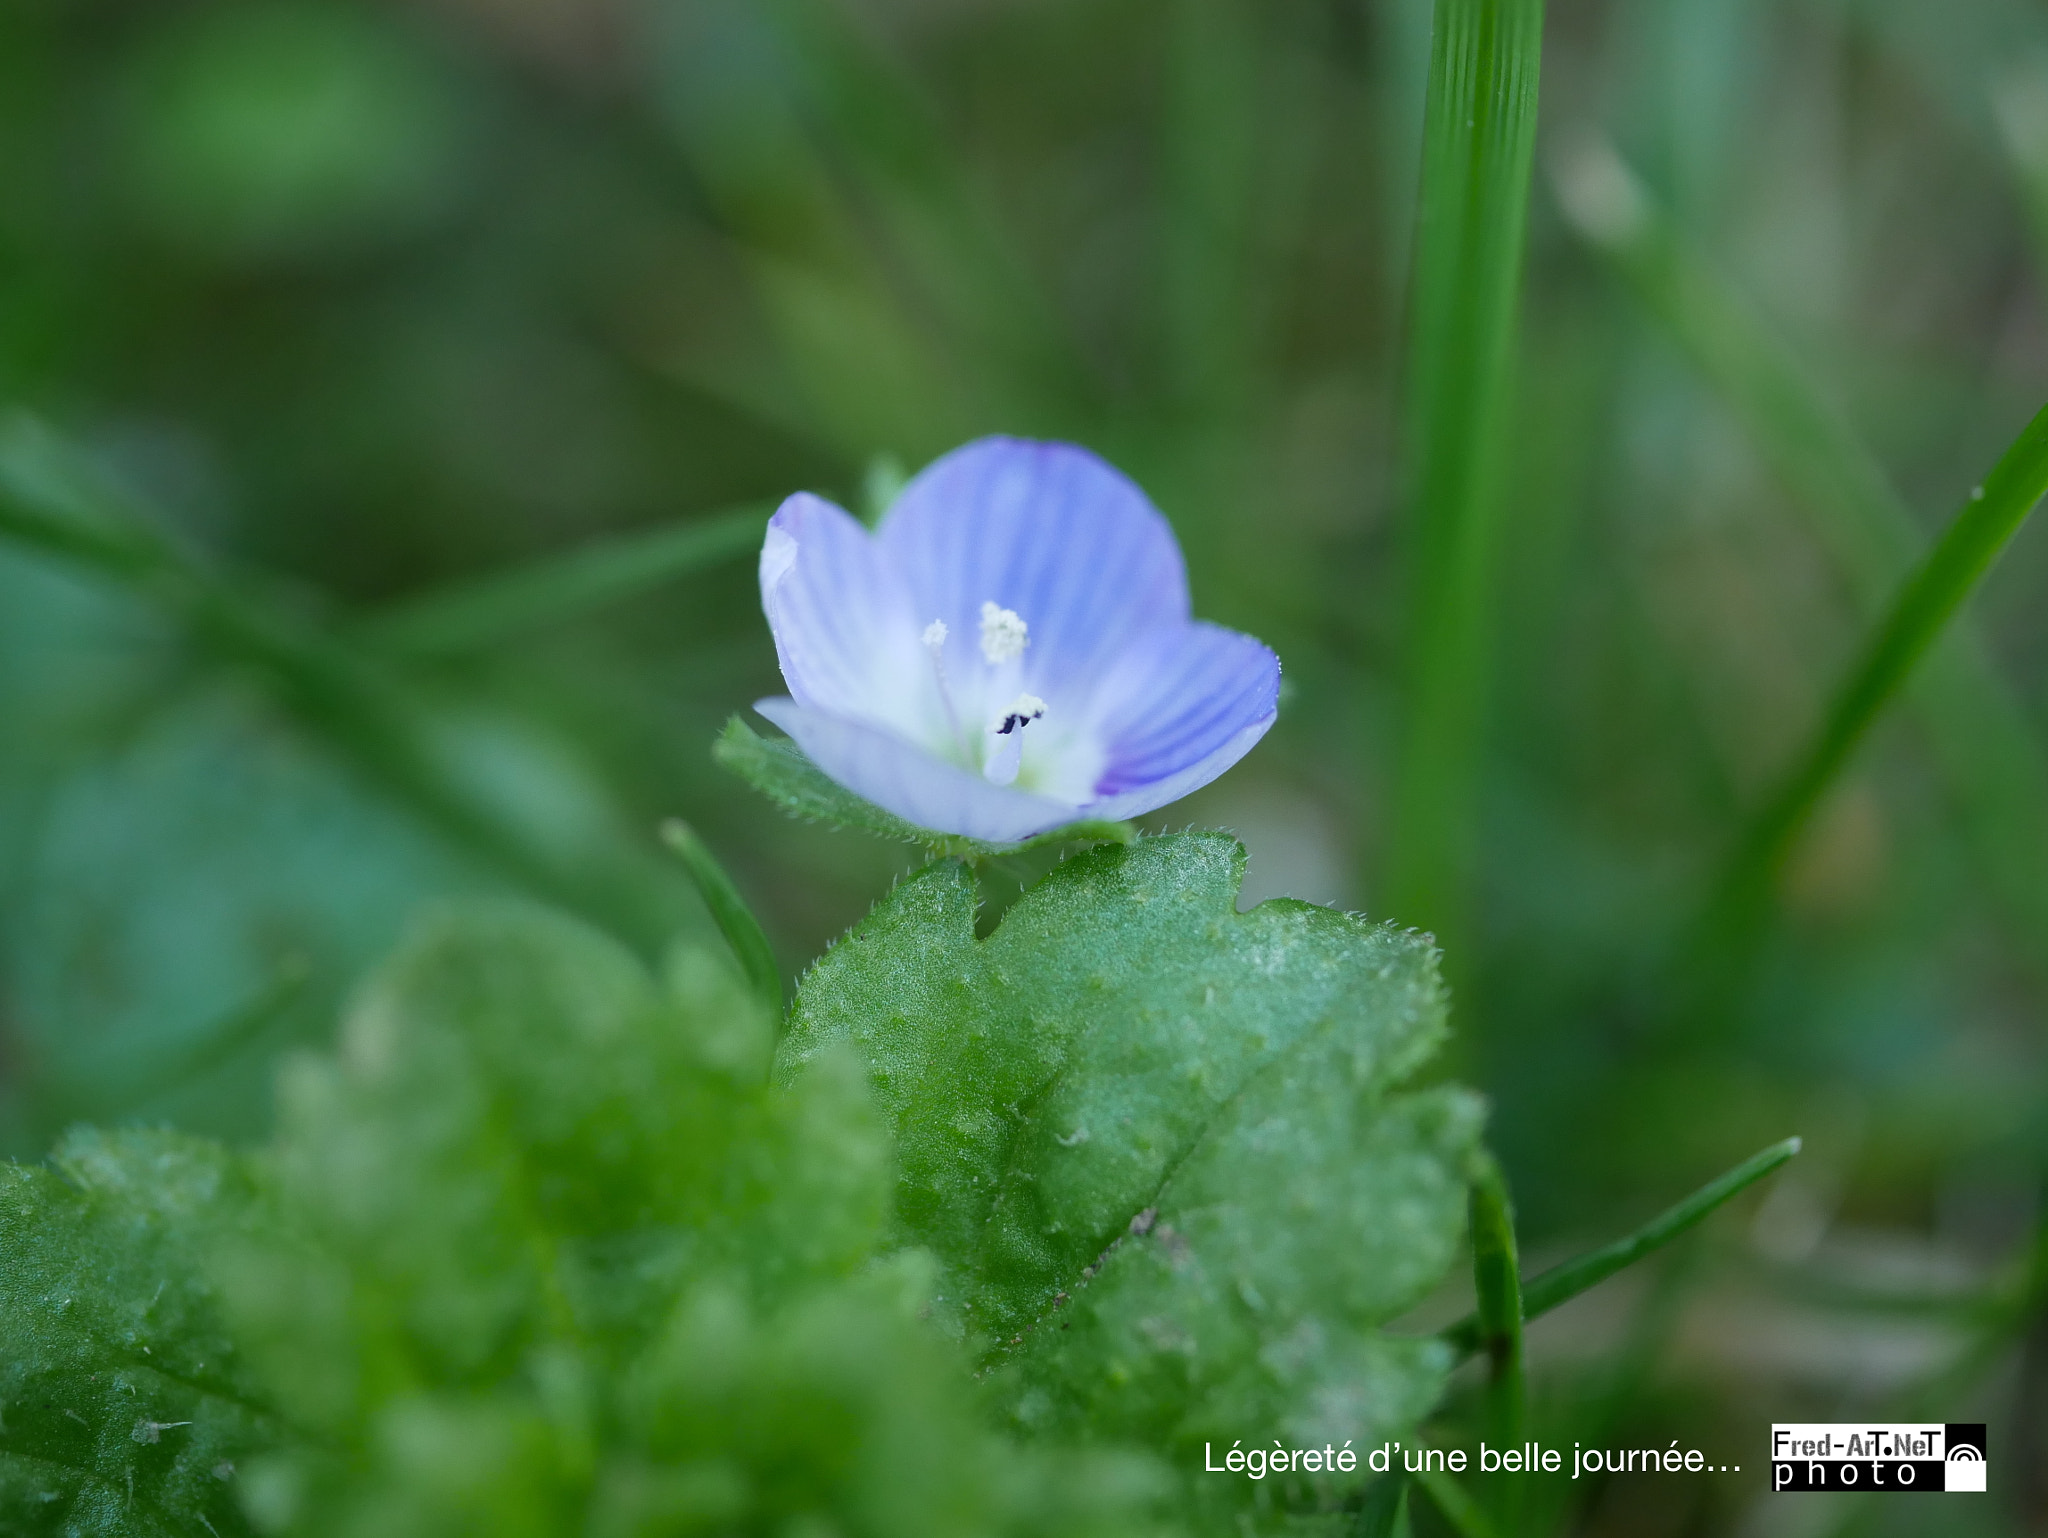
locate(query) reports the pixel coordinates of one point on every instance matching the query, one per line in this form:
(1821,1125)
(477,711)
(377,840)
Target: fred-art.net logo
(1903,1457)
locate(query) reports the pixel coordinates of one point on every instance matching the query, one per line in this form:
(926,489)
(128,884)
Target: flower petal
(1183,706)
(1047,530)
(845,631)
(900,777)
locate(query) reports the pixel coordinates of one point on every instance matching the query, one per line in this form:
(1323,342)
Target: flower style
(1010,650)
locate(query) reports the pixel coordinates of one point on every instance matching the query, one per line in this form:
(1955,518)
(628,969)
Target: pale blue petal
(1181,707)
(1050,531)
(845,631)
(1141,799)
(900,777)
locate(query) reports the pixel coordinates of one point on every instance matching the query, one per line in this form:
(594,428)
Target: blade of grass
(333,691)
(1497,1281)
(729,910)
(1938,587)
(1455,1503)
(1478,138)
(1496,1275)
(1987,749)
(1384,1512)
(1213,135)
(1561,1283)
(483,612)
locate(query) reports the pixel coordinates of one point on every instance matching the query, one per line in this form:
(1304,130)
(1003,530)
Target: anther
(1004,635)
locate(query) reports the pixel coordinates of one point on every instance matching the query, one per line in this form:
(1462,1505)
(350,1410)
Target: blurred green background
(347,305)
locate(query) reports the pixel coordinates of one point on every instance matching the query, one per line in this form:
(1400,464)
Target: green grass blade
(1497,1281)
(1456,1505)
(1563,1282)
(333,691)
(1496,1274)
(729,910)
(1478,138)
(473,615)
(1384,1512)
(1214,135)
(1983,742)
(1938,587)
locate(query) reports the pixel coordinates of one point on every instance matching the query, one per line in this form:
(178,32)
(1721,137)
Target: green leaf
(1156,1142)
(777,767)
(125,1405)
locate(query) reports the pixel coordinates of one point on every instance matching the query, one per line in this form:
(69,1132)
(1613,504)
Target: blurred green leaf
(1148,1135)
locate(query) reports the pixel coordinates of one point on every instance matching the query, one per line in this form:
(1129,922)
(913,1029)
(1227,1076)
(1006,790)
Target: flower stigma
(1007,756)
(1004,635)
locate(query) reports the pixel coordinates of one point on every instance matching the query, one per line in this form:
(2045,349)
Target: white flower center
(1004,635)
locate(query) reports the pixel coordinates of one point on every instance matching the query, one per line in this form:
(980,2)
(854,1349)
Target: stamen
(935,643)
(1007,754)
(1004,635)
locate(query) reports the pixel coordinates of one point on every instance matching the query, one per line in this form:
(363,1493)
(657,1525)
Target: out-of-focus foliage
(537,1251)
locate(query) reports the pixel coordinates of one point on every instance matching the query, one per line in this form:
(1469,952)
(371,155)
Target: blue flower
(1010,650)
